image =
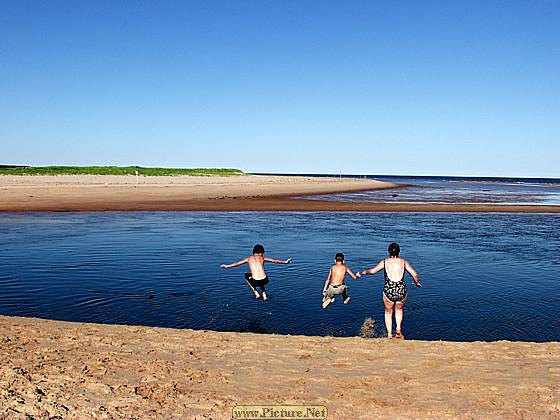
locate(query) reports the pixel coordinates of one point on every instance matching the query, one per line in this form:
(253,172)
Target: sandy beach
(75,370)
(187,193)
(106,192)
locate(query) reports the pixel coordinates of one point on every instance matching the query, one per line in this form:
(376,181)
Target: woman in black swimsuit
(394,290)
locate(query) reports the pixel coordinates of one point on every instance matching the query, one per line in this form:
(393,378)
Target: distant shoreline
(67,193)
(155,193)
(18,170)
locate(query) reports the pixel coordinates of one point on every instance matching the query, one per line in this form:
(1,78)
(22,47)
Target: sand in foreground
(79,370)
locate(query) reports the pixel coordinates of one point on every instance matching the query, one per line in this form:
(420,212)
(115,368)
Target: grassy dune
(116,170)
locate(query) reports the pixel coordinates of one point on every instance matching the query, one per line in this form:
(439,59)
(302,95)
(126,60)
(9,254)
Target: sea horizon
(538,180)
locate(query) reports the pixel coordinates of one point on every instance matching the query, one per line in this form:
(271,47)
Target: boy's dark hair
(339,257)
(258,249)
(394,249)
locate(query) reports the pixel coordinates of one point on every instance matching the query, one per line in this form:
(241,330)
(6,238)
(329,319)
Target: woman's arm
(412,272)
(272,260)
(236,264)
(375,269)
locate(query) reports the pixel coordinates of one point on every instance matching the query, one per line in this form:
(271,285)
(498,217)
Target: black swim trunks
(256,283)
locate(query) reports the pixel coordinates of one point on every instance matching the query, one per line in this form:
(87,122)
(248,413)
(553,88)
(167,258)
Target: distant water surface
(457,190)
(485,276)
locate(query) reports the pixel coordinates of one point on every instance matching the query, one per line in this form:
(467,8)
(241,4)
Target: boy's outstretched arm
(354,276)
(236,264)
(272,260)
(328,281)
(375,269)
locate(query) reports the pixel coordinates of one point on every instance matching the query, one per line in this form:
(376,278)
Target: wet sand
(75,370)
(183,193)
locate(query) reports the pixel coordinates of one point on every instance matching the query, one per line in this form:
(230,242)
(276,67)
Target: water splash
(367,329)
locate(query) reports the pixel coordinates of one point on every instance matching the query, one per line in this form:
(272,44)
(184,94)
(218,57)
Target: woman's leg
(388,316)
(399,312)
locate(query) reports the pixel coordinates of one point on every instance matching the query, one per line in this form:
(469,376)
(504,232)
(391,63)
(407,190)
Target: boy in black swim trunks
(257,277)
(335,281)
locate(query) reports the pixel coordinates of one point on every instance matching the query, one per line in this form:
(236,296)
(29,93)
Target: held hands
(418,284)
(288,261)
(358,275)
(223,266)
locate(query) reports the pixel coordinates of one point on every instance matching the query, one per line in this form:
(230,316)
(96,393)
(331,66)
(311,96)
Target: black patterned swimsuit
(395,291)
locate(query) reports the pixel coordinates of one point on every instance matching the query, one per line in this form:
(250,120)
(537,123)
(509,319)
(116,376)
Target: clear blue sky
(407,87)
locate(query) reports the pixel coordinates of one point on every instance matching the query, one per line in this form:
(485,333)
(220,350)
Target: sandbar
(69,193)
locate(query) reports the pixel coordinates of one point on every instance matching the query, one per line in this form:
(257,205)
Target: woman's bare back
(395,268)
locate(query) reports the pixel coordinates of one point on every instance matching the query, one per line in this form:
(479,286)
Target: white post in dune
(137,181)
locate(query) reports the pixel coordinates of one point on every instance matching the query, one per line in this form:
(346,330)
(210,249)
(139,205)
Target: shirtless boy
(257,277)
(335,281)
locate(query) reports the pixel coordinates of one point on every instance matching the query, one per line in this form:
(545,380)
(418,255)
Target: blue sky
(418,87)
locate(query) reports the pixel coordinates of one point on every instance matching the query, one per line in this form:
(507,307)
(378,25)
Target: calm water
(485,276)
(449,190)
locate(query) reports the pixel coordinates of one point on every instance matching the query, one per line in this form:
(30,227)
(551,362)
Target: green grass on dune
(116,170)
